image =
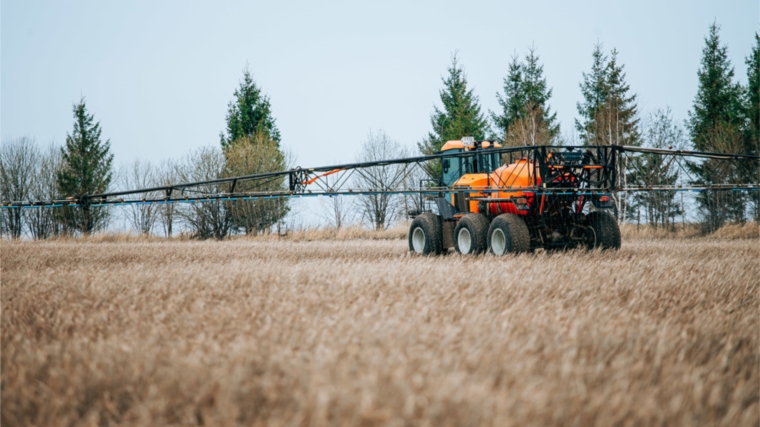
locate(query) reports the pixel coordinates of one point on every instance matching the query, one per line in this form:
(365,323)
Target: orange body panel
(472,182)
(509,179)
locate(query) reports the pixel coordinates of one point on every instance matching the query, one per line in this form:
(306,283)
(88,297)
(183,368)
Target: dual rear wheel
(473,235)
(603,231)
(507,233)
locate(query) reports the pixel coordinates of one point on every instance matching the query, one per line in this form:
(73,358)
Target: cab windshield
(455,167)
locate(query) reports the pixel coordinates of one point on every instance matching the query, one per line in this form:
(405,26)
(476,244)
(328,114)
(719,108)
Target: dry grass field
(315,332)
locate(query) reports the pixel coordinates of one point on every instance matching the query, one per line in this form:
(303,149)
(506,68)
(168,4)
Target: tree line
(725,117)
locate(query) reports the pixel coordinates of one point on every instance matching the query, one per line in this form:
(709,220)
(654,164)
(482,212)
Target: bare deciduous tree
(414,178)
(530,129)
(206,219)
(44,223)
(659,207)
(19,158)
(382,209)
(141,174)
(167,174)
(614,127)
(337,211)
(249,156)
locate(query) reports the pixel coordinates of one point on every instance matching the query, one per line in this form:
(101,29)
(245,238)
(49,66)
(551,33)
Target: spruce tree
(526,118)
(718,97)
(249,114)
(594,89)
(512,102)
(616,121)
(537,94)
(461,115)
(752,108)
(715,124)
(86,169)
(608,113)
(753,98)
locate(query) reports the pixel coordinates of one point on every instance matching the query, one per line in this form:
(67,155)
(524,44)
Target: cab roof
(458,144)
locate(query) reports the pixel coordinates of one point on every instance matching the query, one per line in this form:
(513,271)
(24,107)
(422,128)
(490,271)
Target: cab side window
(452,169)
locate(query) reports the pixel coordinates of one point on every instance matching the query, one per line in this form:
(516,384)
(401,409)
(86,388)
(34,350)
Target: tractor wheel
(508,234)
(606,233)
(425,235)
(471,234)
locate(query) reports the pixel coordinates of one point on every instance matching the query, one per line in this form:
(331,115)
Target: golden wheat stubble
(358,332)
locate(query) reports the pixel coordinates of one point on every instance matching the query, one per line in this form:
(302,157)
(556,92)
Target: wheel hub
(464,239)
(418,240)
(498,242)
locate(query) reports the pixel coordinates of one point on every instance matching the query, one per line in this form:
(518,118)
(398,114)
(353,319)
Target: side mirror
(446,165)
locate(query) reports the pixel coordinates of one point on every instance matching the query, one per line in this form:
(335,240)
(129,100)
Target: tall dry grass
(748,230)
(357,332)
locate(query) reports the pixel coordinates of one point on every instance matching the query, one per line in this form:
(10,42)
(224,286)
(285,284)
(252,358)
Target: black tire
(606,233)
(471,234)
(508,234)
(425,235)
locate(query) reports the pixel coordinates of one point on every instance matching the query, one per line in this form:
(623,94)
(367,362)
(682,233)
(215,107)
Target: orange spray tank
(510,180)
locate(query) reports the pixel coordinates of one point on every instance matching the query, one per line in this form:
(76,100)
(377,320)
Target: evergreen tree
(752,109)
(249,114)
(87,169)
(594,89)
(616,119)
(526,118)
(715,124)
(537,94)
(461,115)
(753,97)
(512,102)
(718,97)
(608,113)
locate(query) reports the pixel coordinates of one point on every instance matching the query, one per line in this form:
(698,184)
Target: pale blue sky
(158,74)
